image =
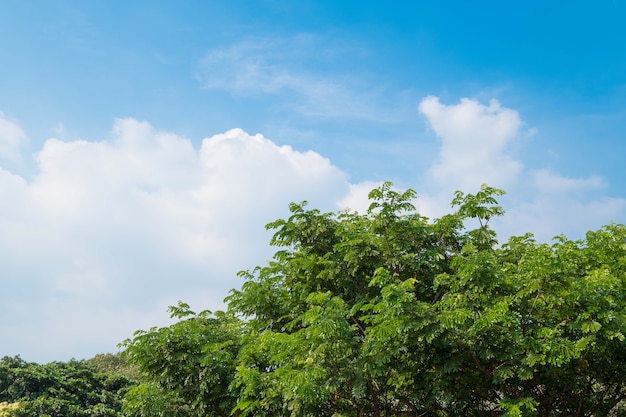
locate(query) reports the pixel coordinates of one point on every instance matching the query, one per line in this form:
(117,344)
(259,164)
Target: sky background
(144,145)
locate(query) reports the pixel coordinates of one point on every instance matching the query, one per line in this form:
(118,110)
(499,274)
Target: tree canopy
(389,313)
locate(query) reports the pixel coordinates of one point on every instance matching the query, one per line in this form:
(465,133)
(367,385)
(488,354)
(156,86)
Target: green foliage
(393,314)
(331,319)
(186,368)
(58,389)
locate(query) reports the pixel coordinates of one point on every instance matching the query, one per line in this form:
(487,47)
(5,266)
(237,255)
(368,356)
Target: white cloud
(12,137)
(474,139)
(137,222)
(475,148)
(357,197)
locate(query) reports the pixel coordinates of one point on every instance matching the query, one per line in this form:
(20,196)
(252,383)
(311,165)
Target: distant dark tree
(112,364)
(60,389)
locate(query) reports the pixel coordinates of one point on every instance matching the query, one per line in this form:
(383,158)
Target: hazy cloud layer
(12,137)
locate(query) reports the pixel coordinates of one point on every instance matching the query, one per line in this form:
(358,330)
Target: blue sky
(144,145)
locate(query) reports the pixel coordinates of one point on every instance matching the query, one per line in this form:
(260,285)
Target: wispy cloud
(298,70)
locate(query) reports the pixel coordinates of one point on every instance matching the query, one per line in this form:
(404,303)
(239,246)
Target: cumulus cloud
(474,139)
(476,142)
(134,223)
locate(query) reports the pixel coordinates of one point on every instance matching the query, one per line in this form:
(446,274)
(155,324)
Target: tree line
(87,388)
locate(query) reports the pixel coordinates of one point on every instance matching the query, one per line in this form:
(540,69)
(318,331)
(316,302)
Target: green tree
(390,313)
(186,368)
